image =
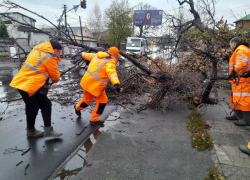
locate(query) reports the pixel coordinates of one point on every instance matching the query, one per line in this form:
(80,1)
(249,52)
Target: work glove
(232,75)
(117,88)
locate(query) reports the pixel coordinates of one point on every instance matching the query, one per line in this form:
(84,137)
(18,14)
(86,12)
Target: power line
(232,8)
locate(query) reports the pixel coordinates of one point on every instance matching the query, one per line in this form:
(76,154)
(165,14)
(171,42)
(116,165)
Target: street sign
(75,7)
(60,20)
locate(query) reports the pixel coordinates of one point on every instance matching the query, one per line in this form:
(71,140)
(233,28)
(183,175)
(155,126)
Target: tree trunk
(205,96)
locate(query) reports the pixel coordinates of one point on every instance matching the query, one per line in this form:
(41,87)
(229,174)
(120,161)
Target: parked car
(74,52)
(76,56)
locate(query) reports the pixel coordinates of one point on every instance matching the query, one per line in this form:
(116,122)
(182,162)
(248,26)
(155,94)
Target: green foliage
(196,123)
(3,30)
(191,106)
(119,21)
(213,174)
(201,141)
(200,138)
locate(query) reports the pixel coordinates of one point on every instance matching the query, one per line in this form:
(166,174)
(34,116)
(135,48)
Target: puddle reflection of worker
(88,143)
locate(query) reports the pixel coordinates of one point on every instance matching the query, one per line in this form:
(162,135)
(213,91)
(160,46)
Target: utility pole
(141,30)
(65,15)
(81,27)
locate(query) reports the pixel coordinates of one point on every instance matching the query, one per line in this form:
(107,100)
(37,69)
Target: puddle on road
(6,75)
(78,162)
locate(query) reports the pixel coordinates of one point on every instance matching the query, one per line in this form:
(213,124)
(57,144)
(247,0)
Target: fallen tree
(166,83)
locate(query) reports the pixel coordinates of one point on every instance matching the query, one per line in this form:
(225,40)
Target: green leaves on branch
(3,30)
(119,21)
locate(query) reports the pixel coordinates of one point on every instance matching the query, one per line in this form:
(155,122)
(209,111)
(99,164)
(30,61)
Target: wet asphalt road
(46,156)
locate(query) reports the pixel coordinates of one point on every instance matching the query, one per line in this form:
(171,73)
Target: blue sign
(148,17)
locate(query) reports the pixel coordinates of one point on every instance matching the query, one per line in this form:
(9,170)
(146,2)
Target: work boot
(96,122)
(34,133)
(49,132)
(241,122)
(78,113)
(232,117)
(244,149)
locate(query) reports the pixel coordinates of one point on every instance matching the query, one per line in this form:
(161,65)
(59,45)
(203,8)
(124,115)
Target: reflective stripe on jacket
(101,70)
(240,98)
(41,63)
(241,58)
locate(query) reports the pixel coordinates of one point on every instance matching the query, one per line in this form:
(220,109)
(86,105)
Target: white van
(136,45)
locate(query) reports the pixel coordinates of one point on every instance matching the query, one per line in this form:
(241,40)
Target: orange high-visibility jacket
(102,68)
(240,99)
(240,58)
(41,63)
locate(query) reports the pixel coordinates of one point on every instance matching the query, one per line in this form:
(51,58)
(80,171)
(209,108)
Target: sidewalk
(229,160)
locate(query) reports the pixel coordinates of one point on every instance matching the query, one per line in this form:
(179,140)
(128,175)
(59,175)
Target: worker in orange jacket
(41,63)
(101,69)
(240,97)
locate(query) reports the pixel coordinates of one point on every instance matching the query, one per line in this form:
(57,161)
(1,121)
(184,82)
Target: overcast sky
(52,9)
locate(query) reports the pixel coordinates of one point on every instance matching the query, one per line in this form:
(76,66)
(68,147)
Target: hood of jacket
(47,47)
(241,43)
(101,55)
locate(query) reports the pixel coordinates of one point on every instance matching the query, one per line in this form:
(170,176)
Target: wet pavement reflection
(78,161)
(6,75)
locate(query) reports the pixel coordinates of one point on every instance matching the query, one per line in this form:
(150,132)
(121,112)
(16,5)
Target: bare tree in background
(95,22)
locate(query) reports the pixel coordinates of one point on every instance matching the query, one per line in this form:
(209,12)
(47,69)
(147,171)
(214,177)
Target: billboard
(148,17)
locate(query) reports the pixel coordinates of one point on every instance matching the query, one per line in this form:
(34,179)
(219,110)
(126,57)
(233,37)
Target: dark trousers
(33,104)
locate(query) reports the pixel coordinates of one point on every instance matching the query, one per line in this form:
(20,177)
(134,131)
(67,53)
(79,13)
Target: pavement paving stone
(241,164)
(246,171)
(237,177)
(226,162)
(244,156)
(237,159)
(232,151)
(227,139)
(221,153)
(229,170)
(223,158)
(221,126)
